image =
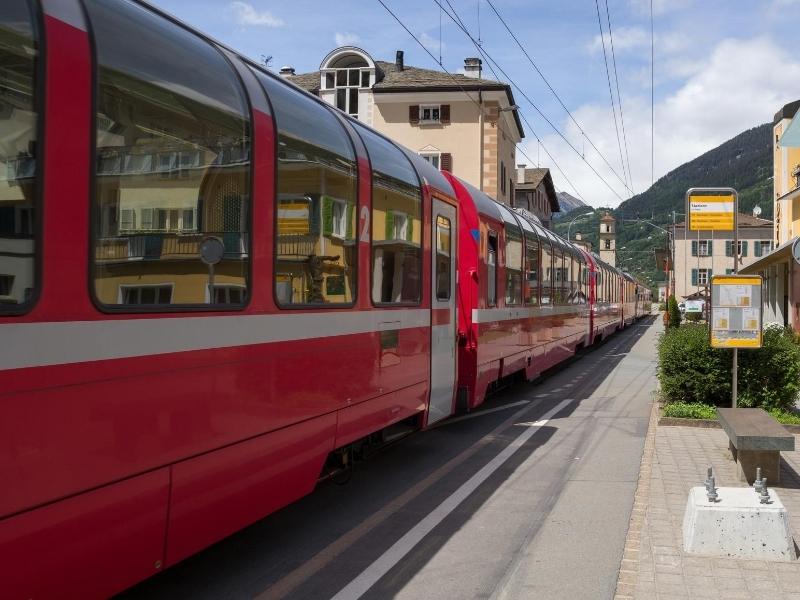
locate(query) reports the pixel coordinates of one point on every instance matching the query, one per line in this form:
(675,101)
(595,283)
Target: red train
(215,289)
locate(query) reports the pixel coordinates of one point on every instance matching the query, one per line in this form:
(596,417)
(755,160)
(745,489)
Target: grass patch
(697,410)
(784,417)
(690,410)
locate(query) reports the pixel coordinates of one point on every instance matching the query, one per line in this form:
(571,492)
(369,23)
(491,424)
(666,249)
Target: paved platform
(654,565)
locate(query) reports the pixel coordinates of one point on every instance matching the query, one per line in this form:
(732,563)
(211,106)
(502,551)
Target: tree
(674,312)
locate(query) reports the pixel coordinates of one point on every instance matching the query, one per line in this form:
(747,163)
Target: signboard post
(716,209)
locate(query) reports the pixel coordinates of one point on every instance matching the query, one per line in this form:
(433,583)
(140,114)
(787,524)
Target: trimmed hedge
(689,370)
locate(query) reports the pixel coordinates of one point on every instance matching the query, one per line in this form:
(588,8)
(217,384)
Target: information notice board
(736,311)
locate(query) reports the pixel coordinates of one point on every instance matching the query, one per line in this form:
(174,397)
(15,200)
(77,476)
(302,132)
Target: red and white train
(215,288)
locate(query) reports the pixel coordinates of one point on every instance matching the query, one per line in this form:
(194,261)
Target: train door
(443,311)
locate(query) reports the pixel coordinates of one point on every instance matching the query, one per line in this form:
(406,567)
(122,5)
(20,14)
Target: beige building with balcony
(461,123)
(699,257)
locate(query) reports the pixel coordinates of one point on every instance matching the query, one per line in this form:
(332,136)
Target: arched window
(345,72)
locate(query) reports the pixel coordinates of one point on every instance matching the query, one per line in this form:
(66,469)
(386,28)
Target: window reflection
(316,250)
(173,164)
(532,265)
(18,169)
(443,262)
(513,265)
(396,223)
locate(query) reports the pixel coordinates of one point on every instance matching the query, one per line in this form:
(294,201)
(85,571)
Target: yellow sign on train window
(711,213)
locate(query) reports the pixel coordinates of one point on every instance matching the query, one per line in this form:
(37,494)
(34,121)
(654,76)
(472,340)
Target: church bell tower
(608,239)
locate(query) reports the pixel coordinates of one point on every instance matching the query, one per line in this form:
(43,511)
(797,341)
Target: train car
(215,289)
(606,294)
(523,295)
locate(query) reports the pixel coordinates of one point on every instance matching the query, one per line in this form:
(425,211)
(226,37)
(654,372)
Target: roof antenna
(480,43)
(440,35)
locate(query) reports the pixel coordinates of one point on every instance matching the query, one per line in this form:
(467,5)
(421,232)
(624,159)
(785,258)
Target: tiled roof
(535,177)
(743,221)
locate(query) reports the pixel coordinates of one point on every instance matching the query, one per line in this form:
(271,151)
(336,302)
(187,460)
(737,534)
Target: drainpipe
(480,124)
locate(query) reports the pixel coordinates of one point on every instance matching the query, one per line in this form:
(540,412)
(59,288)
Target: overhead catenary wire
(552,90)
(512,82)
(610,93)
(619,95)
(652,99)
(476,102)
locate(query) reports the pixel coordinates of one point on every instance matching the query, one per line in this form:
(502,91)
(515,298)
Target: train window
(532,271)
(513,266)
(559,276)
(19,49)
(396,223)
(316,253)
(491,269)
(443,262)
(546,271)
(172,185)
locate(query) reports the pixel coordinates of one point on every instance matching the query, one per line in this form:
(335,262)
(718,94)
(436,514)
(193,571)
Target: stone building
(461,123)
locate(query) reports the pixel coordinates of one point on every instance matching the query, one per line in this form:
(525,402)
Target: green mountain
(743,163)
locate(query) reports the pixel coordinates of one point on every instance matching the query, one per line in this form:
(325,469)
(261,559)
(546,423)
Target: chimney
(398,60)
(287,71)
(472,67)
(521,173)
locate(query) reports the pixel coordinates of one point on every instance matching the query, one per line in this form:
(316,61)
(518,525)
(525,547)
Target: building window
(430,113)
(317,191)
(704,248)
(607,244)
(198,130)
(346,82)
(701,277)
(432,157)
(229,294)
(502,177)
(146,294)
(762,247)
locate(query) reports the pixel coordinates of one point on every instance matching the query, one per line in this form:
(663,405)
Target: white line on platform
(361,584)
(480,413)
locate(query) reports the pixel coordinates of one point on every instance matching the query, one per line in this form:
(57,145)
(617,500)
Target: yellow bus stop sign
(711,213)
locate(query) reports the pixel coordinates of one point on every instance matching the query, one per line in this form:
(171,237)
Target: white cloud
(630,39)
(431,43)
(660,7)
(346,39)
(740,85)
(246,14)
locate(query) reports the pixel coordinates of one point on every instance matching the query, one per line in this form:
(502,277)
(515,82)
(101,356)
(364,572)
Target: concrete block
(737,525)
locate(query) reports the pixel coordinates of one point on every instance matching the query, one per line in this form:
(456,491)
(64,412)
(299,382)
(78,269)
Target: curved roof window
(348,61)
(343,73)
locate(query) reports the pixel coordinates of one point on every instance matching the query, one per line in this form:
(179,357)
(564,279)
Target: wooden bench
(756,440)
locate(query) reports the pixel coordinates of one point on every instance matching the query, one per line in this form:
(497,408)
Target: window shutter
(410,229)
(694,276)
(413,114)
(446,162)
(757,250)
(710,248)
(313,216)
(444,114)
(327,215)
(694,248)
(349,217)
(729,248)
(744,248)
(389,228)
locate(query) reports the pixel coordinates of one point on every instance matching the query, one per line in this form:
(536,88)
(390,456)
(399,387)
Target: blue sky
(721,66)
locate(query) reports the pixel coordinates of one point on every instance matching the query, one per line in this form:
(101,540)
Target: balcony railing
(297,244)
(165,246)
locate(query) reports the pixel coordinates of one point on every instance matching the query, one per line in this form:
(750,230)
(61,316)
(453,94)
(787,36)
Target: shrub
(693,317)
(785,417)
(689,370)
(770,377)
(690,410)
(662,307)
(674,312)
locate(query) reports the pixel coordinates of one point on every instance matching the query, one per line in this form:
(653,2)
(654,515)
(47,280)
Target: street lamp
(569,227)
